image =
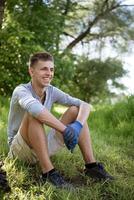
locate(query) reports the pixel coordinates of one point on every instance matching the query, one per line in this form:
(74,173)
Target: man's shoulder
(55,90)
(52,87)
(21,87)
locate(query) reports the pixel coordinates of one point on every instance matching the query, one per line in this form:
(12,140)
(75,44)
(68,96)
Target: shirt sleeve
(25,99)
(64,98)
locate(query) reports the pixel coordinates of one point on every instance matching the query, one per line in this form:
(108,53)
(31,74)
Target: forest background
(77,33)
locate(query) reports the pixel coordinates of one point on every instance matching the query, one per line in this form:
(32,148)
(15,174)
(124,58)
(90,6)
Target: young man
(30,110)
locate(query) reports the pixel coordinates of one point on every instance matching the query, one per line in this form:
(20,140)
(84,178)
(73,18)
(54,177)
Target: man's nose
(48,71)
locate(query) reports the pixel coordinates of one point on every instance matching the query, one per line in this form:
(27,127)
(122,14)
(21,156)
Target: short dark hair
(44,56)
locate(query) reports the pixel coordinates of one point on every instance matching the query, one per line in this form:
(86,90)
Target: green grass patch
(112,132)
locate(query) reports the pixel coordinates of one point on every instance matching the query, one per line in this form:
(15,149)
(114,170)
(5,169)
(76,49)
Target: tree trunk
(2,6)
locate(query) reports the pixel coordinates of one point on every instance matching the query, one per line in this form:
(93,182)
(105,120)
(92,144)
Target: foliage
(100,20)
(91,77)
(40,20)
(30,26)
(118,118)
(13,62)
(23,33)
(112,135)
(64,71)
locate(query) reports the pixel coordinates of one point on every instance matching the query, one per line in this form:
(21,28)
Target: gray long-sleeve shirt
(24,99)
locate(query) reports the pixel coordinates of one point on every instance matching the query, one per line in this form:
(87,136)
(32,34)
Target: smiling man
(30,111)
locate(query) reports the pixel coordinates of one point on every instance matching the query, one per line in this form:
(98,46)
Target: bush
(118,118)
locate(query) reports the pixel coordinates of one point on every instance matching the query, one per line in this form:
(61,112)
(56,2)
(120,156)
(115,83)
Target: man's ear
(30,70)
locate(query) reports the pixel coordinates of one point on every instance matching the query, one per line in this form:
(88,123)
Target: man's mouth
(46,78)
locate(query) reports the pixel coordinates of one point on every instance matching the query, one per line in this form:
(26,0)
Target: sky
(129,64)
(128,80)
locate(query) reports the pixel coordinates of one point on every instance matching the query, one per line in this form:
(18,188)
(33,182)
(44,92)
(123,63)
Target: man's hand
(71,134)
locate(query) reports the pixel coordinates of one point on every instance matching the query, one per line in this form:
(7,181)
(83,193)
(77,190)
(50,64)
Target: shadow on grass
(33,172)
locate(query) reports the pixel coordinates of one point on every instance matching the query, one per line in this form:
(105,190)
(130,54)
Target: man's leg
(93,169)
(86,145)
(84,140)
(34,135)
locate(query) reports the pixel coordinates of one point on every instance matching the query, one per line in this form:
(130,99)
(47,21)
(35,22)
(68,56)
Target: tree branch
(126,5)
(67,7)
(82,35)
(68,34)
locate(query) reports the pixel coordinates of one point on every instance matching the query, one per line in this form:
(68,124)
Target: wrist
(78,123)
(63,129)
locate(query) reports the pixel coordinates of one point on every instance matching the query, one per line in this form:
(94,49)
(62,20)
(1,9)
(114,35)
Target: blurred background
(92,43)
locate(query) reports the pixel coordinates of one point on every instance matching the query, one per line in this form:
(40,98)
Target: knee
(73,111)
(31,119)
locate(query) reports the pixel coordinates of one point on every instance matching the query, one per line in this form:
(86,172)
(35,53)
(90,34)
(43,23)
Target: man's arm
(72,131)
(84,110)
(65,99)
(47,118)
(36,109)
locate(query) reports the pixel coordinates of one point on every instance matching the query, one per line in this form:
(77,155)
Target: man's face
(42,73)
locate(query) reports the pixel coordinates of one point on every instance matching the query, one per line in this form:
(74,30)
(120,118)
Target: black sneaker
(98,172)
(3,182)
(56,179)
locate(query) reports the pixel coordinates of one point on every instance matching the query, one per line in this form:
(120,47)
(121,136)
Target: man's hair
(43,56)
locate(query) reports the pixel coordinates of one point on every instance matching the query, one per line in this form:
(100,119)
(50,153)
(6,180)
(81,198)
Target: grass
(112,129)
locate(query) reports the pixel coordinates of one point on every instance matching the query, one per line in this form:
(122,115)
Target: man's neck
(38,90)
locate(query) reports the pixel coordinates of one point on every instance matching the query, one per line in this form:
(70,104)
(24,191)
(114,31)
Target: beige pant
(22,151)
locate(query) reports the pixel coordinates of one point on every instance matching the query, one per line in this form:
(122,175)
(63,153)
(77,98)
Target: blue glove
(71,134)
(77,126)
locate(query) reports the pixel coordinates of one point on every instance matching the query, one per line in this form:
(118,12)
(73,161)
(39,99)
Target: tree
(97,19)
(30,26)
(92,76)
(26,25)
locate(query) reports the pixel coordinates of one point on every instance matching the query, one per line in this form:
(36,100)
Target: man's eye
(44,69)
